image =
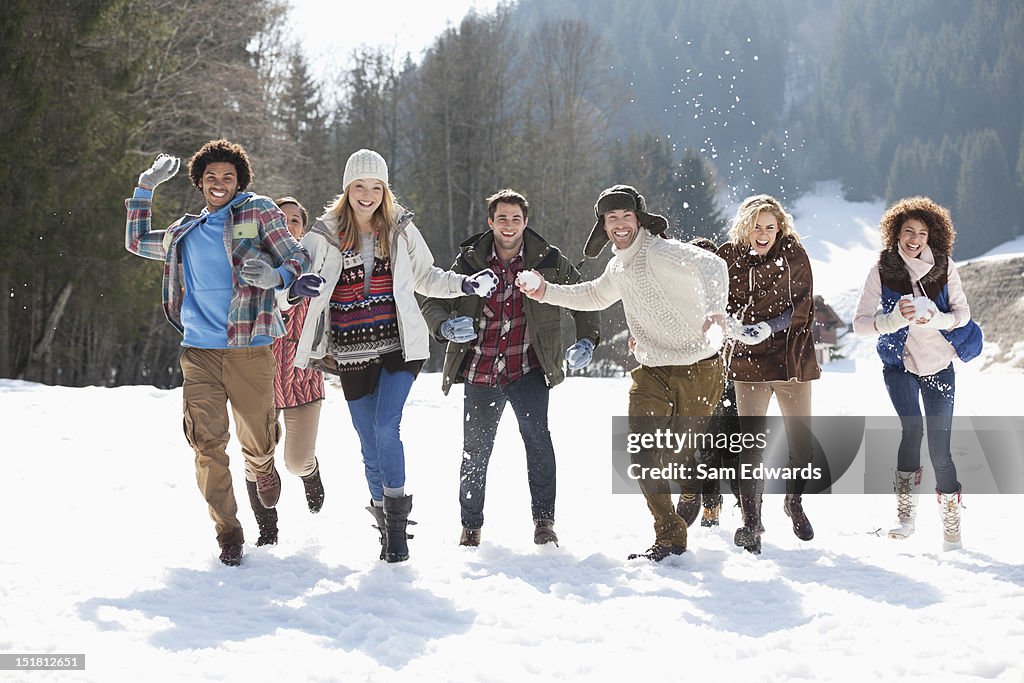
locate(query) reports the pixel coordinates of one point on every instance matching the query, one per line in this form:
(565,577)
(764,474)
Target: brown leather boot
(470,537)
(268,486)
(689,507)
(712,510)
(544,532)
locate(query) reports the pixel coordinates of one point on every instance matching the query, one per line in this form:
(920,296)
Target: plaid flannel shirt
(255,229)
(503,351)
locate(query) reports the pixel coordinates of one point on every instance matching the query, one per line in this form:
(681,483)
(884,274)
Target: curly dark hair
(941,234)
(220,150)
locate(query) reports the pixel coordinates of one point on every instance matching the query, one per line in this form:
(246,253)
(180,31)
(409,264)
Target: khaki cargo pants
(243,377)
(671,391)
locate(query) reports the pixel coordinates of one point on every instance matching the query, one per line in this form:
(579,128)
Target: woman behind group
(298,395)
(922,325)
(365,324)
(771,301)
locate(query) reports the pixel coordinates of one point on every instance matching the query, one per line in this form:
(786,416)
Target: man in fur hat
(674,295)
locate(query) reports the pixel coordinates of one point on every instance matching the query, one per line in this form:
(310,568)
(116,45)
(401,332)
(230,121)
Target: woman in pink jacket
(914,301)
(298,394)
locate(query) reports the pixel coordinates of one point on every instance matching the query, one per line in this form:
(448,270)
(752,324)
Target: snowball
(528,279)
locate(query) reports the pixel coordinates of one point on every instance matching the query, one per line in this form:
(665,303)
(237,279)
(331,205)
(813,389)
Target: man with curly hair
(221,270)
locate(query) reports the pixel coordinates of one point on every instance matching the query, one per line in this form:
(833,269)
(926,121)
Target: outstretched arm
(139,236)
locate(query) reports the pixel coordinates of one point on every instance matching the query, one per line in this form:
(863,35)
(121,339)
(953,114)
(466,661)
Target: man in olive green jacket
(507,348)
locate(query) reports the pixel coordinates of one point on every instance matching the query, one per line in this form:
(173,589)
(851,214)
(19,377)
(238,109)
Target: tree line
(91,91)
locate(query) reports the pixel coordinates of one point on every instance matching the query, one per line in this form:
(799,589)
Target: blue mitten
(579,354)
(459,329)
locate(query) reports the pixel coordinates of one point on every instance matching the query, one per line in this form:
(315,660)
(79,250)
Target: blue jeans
(482,409)
(377,418)
(936,391)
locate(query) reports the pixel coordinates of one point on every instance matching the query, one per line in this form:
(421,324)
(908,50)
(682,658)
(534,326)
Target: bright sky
(330,29)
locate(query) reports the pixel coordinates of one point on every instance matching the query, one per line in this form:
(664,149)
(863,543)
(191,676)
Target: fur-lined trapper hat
(626,198)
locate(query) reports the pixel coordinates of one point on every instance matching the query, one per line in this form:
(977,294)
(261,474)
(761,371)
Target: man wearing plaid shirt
(221,271)
(508,349)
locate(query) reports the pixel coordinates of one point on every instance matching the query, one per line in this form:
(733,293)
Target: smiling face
(219,184)
(621,226)
(913,237)
(293,219)
(764,233)
(364,196)
(507,225)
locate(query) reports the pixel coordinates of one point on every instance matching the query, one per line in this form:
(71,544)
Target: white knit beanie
(365,164)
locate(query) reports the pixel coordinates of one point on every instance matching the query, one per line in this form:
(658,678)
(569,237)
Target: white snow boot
(906,485)
(950,507)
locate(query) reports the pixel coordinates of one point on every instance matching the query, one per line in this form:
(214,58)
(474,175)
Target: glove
(733,327)
(260,274)
(459,329)
(306,286)
(940,320)
(483,283)
(579,354)
(887,323)
(754,334)
(162,170)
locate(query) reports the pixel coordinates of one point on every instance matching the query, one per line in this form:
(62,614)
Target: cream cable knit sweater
(667,288)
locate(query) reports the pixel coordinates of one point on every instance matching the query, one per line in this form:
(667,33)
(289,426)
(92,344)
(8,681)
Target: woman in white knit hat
(365,324)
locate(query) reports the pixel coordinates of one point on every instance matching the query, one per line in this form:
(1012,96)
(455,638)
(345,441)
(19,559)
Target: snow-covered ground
(107,550)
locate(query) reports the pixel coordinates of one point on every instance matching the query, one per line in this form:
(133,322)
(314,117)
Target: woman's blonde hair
(340,210)
(746,219)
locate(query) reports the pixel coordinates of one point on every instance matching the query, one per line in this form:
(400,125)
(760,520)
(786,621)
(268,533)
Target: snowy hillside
(108,551)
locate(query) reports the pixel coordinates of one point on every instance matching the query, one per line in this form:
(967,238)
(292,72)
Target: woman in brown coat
(771,303)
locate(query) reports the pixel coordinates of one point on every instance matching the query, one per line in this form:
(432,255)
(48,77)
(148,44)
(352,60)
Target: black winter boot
(795,510)
(378,516)
(748,536)
(266,518)
(396,517)
(314,489)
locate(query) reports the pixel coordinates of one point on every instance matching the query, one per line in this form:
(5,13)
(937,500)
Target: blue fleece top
(209,284)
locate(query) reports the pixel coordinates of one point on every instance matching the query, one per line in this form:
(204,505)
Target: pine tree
(985,211)
(699,211)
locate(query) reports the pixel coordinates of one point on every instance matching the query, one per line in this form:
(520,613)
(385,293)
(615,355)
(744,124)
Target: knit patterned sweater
(667,289)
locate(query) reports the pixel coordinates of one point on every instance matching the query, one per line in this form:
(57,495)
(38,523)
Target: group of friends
(267,304)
